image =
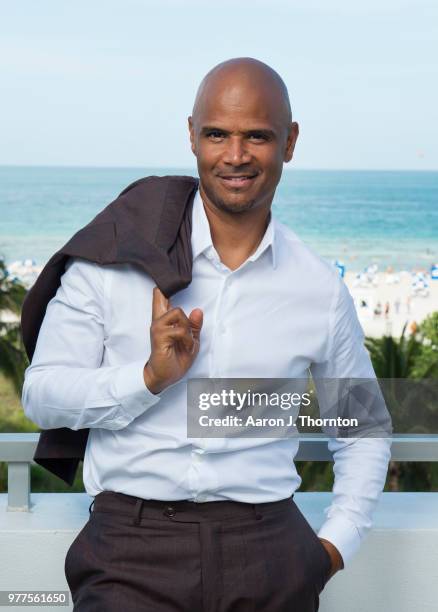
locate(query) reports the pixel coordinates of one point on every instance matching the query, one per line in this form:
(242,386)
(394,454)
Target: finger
(160,304)
(176,316)
(178,334)
(196,345)
(196,319)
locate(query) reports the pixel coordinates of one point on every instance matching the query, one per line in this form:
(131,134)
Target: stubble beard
(229,207)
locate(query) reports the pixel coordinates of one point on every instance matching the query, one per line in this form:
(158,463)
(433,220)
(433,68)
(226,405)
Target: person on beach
(386,310)
(210,523)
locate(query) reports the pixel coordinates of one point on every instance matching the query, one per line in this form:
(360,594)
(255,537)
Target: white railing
(17,450)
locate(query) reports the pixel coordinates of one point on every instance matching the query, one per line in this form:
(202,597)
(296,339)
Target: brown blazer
(148,225)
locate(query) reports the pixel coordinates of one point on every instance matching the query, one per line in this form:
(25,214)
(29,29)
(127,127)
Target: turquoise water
(361,217)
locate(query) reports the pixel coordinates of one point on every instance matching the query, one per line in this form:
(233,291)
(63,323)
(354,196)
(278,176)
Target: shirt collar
(201,236)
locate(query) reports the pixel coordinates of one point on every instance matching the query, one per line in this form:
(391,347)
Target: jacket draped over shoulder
(148,225)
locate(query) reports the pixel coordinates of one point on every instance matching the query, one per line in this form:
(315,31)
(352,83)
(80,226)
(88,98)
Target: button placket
(219,312)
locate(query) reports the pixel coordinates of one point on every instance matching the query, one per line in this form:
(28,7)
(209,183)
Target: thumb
(196,319)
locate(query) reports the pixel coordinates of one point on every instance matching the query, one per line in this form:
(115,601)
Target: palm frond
(13,360)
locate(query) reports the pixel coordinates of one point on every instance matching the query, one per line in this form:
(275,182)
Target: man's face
(241,138)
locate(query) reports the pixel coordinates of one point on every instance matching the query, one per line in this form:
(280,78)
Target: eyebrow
(265,131)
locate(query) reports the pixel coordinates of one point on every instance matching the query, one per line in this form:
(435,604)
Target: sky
(111,83)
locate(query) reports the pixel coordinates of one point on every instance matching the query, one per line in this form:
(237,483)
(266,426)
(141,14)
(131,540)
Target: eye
(258,137)
(215,135)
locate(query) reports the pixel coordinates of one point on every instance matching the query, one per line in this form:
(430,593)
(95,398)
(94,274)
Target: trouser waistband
(182,510)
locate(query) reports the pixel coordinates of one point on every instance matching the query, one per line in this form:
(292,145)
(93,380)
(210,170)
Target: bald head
(244,75)
(241,132)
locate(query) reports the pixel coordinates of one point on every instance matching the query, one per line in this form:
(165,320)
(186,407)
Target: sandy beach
(394,292)
(385,301)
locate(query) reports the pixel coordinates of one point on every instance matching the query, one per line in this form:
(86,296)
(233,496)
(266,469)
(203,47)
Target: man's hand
(335,556)
(174,343)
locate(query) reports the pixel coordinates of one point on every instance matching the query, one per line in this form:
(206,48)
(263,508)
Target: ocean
(359,217)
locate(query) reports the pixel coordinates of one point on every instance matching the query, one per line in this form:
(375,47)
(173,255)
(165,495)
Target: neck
(235,236)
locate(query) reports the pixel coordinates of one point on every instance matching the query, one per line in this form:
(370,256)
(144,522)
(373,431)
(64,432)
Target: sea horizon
(286,168)
(361,217)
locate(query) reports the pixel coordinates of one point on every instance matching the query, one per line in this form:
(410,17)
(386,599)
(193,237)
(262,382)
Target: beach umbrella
(341,267)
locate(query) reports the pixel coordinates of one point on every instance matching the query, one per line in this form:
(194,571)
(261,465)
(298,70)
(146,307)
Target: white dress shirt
(283,311)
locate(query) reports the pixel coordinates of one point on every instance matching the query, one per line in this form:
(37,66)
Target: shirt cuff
(343,534)
(130,391)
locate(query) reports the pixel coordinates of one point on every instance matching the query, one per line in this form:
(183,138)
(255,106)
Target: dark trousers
(135,555)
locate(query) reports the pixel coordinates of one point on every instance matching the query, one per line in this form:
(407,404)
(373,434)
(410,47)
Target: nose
(236,153)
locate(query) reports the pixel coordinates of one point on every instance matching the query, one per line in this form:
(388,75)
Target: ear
(192,135)
(291,140)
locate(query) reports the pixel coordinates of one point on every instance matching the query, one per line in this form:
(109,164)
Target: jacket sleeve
(66,384)
(360,464)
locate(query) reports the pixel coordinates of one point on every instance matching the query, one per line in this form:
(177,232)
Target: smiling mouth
(238,180)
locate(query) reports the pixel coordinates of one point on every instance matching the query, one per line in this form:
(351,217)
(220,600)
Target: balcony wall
(396,569)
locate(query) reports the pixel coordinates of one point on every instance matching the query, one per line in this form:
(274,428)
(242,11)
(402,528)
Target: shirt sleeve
(360,464)
(66,384)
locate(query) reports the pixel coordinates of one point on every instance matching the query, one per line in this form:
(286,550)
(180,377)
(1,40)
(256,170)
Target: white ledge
(395,570)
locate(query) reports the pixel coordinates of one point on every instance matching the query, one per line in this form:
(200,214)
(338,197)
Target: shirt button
(169,511)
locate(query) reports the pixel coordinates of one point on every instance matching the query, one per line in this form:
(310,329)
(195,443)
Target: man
(206,524)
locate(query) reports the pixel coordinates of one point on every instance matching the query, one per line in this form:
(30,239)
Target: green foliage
(316,475)
(408,364)
(394,358)
(402,476)
(429,328)
(426,364)
(413,357)
(13,359)
(45,482)
(13,419)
